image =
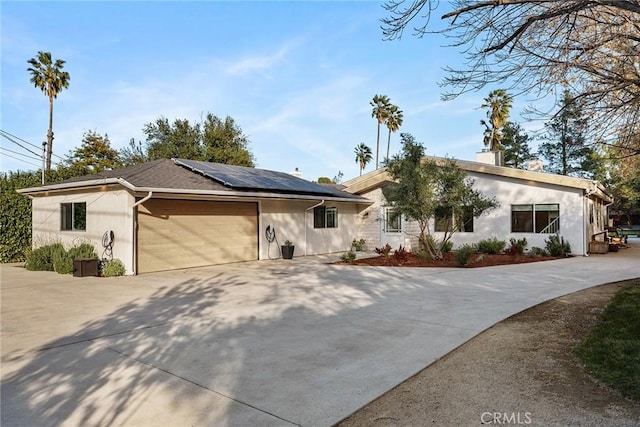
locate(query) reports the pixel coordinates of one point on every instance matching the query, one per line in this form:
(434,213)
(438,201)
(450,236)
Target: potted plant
(358,245)
(287,249)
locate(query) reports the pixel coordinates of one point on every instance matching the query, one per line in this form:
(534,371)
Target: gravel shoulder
(520,371)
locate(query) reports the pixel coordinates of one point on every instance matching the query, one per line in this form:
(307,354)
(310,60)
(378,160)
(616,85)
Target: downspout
(306,225)
(135,226)
(585,214)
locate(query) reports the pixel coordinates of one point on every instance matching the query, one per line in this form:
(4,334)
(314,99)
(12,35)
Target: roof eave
(74,185)
(251,194)
(378,177)
(222,193)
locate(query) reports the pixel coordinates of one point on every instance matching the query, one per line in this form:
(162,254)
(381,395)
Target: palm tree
(48,76)
(498,103)
(380,106)
(394,121)
(363,155)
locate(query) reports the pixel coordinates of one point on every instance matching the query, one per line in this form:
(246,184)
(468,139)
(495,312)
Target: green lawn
(611,351)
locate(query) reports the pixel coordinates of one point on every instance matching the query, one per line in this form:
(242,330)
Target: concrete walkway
(272,343)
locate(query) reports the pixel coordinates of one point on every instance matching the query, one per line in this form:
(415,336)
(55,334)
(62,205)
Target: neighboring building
(531,204)
(172,214)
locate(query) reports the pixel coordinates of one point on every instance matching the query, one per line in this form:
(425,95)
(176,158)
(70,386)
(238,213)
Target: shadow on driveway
(270,344)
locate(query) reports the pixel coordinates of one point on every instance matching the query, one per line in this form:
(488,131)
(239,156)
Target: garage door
(176,234)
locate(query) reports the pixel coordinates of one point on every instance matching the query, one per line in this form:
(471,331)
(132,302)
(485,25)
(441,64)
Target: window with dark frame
(325,217)
(73,216)
(535,218)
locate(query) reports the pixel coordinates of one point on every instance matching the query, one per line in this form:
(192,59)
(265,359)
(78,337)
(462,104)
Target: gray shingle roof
(163,173)
(167,175)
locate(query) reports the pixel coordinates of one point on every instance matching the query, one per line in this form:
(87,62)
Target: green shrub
(447,247)
(536,251)
(83,251)
(557,246)
(115,267)
(62,261)
(41,259)
(491,246)
(464,253)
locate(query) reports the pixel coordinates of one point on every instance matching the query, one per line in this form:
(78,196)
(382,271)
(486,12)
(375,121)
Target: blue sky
(297,77)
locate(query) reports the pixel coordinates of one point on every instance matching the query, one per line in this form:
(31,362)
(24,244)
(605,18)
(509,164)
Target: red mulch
(477,260)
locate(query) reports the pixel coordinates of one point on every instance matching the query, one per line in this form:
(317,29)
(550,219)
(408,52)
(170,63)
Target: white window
(392,221)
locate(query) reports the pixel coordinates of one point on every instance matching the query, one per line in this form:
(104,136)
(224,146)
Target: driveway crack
(202,386)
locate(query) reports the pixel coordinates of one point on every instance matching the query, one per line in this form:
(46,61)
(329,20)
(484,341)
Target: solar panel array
(245,178)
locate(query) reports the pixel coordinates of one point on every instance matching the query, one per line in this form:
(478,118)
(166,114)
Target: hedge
(15,214)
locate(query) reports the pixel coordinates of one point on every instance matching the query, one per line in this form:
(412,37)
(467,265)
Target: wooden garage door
(176,234)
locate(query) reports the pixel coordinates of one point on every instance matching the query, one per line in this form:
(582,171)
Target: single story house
(175,213)
(532,204)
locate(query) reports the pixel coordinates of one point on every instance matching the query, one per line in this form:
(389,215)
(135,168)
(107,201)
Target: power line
(20,139)
(23,161)
(17,143)
(26,142)
(20,154)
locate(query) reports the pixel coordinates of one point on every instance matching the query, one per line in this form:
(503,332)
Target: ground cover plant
(611,351)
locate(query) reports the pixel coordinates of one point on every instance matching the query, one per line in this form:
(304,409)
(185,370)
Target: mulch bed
(477,260)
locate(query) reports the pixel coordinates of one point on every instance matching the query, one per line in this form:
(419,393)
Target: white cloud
(261,62)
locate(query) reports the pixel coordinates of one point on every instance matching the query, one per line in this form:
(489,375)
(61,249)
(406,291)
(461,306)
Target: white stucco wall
(497,223)
(106,210)
(292,223)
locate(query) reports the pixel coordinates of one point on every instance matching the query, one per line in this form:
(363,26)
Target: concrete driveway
(272,343)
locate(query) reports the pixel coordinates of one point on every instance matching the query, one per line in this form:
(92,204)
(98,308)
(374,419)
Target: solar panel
(245,178)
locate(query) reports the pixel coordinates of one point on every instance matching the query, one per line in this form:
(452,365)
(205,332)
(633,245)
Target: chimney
(297,173)
(494,158)
(534,164)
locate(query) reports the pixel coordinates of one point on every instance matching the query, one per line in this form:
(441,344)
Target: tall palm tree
(380,104)
(498,104)
(363,155)
(394,121)
(48,76)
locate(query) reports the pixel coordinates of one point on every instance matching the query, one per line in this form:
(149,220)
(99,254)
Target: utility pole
(44,151)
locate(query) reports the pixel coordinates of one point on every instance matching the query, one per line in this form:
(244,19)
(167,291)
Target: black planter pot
(287,252)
